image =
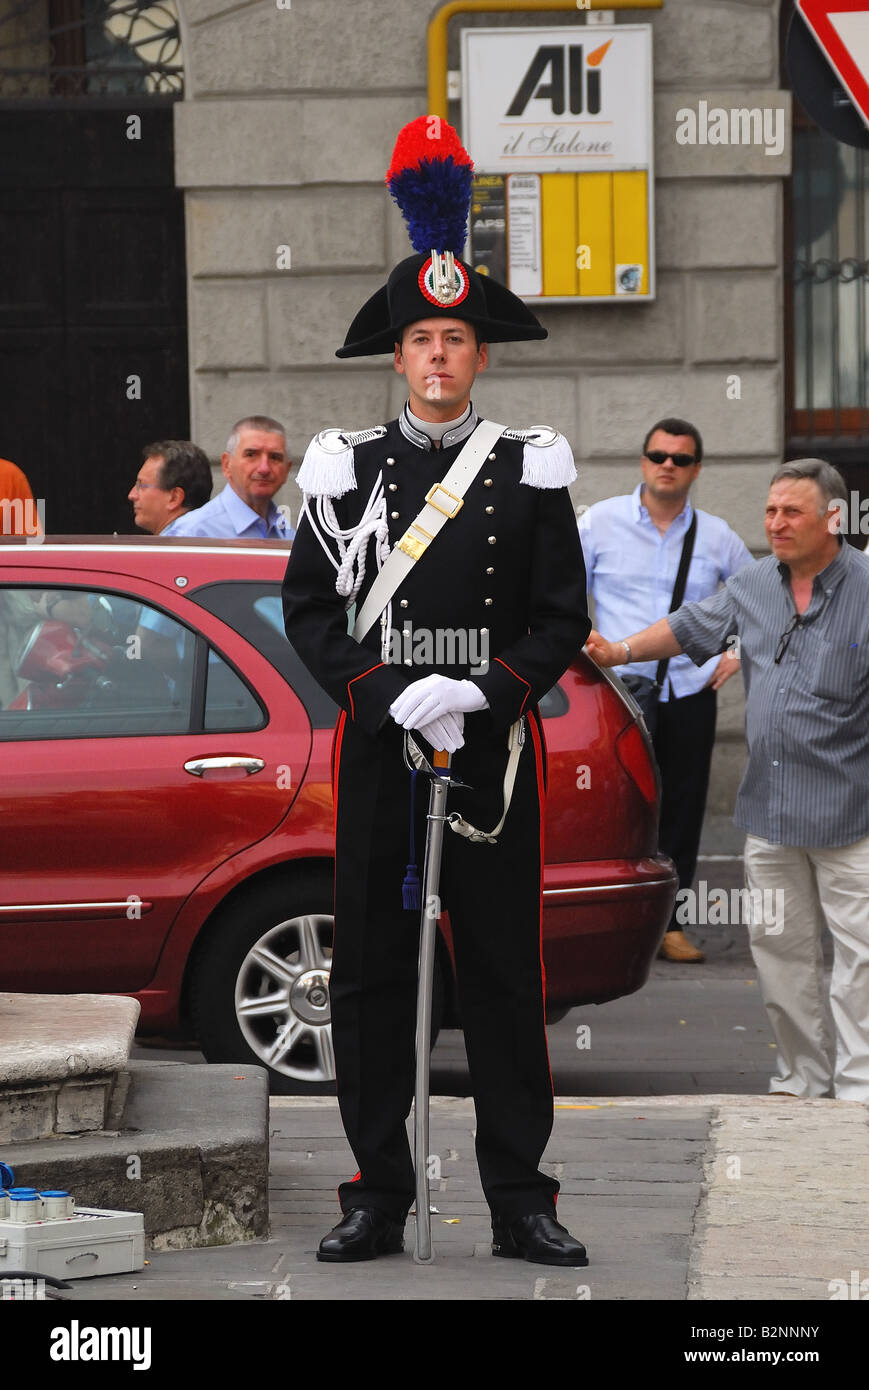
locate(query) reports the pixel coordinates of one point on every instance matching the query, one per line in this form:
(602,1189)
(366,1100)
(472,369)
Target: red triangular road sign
(841,28)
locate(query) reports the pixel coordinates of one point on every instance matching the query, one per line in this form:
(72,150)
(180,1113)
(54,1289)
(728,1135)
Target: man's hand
(445,733)
(605,653)
(433,697)
(652,644)
(727,667)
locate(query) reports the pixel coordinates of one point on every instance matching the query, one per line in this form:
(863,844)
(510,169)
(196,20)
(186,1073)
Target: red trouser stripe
(541,792)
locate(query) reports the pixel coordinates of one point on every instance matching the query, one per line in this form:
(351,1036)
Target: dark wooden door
(93,314)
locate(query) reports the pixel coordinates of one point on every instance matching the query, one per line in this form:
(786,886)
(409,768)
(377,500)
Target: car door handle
(197,766)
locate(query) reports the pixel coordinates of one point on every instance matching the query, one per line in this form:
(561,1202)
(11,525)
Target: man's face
(258,467)
(665,481)
(440,359)
(153,506)
(797,523)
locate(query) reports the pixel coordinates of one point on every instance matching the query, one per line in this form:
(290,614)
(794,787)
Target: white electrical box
(75,1247)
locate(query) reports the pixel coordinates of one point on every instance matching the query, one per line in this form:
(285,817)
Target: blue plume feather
(435,200)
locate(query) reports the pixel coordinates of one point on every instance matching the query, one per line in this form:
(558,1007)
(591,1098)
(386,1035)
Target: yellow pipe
(437,31)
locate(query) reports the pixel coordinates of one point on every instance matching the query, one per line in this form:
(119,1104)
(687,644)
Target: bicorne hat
(430,178)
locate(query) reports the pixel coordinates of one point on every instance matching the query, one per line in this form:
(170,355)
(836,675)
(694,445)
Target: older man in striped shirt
(801,616)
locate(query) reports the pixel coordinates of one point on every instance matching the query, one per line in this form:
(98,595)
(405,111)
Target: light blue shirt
(227,516)
(632,570)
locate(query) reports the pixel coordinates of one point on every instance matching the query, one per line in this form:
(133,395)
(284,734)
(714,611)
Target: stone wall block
(735,317)
(734,159)
(325,229)
(727,223)
(720,41)
(287,141)
(616,410)
(345,45)
(237,144)
(309,317)
(228,323)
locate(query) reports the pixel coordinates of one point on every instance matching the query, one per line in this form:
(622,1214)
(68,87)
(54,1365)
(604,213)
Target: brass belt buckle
(459,502)
(411,545)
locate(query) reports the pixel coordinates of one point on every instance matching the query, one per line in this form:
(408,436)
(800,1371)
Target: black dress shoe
(364,1234)
(538,1238)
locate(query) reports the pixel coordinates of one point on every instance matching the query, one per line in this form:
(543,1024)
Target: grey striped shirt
(807,719)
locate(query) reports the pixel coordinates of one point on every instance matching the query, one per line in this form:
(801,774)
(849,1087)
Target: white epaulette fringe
(328,466)
(547,460)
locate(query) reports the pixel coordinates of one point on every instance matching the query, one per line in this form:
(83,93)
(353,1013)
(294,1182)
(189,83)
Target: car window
(82,663)
(554,703)
(252,608)
(229,704)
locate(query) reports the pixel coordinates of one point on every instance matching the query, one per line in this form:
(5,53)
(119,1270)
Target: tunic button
(394,515)
(404,603)
(489,511)
(488,602)
(484,632)
(390,462)
(492,540)
(487,482)
(393,487)
(408,661)
(491,458)
(491,569)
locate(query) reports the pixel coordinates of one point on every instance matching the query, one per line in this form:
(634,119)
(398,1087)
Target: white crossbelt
(443,502)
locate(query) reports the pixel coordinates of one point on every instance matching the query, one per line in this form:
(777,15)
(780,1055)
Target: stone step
(63,1061)
(191,1155)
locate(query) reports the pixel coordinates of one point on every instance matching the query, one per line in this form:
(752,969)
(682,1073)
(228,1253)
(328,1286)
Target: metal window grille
(90,48)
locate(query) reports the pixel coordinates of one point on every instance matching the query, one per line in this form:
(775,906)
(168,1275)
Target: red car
(167,811)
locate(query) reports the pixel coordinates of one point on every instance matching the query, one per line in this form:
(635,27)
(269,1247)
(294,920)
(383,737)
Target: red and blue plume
(430,178)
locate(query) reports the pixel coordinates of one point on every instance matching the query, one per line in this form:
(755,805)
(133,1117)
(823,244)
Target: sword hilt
(441,758)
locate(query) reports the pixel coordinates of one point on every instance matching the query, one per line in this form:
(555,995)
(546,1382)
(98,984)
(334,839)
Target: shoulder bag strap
(679,589)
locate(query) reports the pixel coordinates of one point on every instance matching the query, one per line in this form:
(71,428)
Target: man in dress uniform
(492,566)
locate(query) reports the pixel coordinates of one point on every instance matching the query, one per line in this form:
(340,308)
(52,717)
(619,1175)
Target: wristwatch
(626,647)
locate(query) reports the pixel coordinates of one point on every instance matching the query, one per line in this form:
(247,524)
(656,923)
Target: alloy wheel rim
(282,998)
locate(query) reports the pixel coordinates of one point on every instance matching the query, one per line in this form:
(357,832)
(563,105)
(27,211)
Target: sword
(441,781)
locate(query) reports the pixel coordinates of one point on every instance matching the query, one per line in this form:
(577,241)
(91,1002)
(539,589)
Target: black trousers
(683,740)
(493,895)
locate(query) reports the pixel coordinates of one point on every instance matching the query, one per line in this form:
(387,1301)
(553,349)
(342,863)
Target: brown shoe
(676,946)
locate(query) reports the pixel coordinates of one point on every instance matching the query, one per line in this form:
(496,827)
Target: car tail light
(635,758)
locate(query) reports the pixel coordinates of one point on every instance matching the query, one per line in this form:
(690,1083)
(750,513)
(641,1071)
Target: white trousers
(823,1042)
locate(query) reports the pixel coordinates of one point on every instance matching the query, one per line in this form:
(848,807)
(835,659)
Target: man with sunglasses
(632,547)
(801,616)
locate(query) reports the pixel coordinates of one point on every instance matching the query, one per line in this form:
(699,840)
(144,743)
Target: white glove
(434,696)
(445,733)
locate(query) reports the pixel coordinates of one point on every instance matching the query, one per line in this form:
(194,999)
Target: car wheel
(260,986)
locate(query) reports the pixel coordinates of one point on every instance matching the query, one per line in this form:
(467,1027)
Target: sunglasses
(680,460)
(785,640)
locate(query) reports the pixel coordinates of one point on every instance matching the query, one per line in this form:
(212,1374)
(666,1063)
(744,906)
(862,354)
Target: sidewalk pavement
(676,1197)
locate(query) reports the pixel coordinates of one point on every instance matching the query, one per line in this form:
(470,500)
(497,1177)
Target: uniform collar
(410,428)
